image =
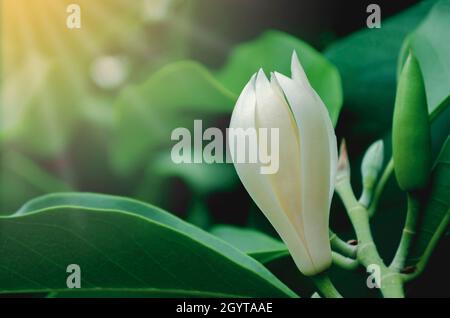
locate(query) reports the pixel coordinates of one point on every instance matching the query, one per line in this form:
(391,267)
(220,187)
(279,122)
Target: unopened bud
(343,167)
(370,169)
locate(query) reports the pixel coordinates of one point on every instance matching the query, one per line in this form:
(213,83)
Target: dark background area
(318,22)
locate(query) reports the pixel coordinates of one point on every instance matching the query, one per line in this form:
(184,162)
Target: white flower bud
(296,199)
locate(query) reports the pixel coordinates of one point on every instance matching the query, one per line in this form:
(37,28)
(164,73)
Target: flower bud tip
(343,166)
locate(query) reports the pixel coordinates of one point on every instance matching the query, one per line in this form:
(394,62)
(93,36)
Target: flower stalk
(380,187)
(344,262)
(338,245)
(325,286)
(367,254)
(408,232)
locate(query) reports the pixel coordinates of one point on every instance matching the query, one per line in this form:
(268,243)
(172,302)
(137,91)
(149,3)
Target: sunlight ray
(88,43)
(73,74)
(28,42)
(64,170)
(16,68)
(105,17)
(78,83)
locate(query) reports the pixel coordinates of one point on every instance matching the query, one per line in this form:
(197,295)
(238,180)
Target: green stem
(339,245)
(366,196)
(408,233)
(325,286)
(344,262)
(380,187)
(428,251)
(367,254)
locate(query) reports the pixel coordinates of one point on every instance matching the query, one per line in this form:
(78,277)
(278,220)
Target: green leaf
(202,178)
(173,97)
(272,52)
(434,221)
(367,62)
(121,246)
(21,178)
(254,243)
(431,46)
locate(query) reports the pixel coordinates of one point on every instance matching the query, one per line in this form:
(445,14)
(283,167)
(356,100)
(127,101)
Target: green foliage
(432,52)
(367,62)
(256,244)
(122,145)
(42,118)
(122,245)
(275,256)
(433,222)
(173,97)
(197,176)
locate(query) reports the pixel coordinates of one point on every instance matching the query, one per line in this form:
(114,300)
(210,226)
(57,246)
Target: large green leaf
(434,221)
(367,62)
(202,178)
(272,52)
(254,243)
(121,246)
(431,45)
(173,97)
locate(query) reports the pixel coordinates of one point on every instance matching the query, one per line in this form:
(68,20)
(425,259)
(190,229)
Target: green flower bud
(370,169)
(411,141)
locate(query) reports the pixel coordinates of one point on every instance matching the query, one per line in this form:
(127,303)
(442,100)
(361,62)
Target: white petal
(272,111)
(332,142)
(259,186)
(315,168)
(299,75)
